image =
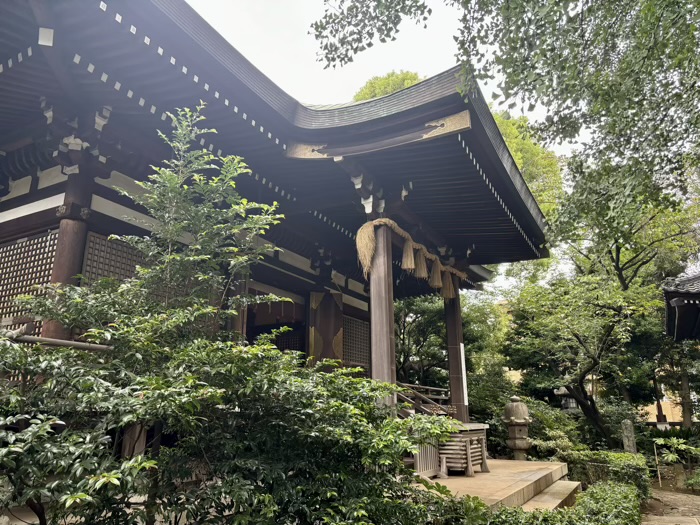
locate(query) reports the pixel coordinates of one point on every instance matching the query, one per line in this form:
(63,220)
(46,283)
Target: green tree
(626,71)
(539,166)
(421,348)
(386,85)
(585,324)
(233,433)
(571,330)
(421,341)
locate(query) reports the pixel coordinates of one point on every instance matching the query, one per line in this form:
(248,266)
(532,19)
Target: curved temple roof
(682,297)
(423,156)
(441,89)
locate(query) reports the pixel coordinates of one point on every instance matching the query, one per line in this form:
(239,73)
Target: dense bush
(594,466)
(552,430)
(613,411)
(602,504)
(693,482)
(610,503)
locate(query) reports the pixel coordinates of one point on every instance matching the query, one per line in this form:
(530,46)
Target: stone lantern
(516,416)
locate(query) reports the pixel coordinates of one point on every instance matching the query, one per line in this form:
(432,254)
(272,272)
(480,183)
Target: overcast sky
(274,36)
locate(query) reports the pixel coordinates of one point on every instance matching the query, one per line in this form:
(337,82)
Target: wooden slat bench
(465,450)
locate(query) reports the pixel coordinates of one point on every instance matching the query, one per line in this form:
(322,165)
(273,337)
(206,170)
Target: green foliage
(676,450)
(602,504)
(693,482)
(552,430)
(572,326)
(613,503)
(386,85)
(591,467)
(605,66)
(616,225)
(252,432)
(614,411)
(421,344)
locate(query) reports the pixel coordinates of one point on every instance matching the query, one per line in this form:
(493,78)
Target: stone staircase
(561,493)
(527,484)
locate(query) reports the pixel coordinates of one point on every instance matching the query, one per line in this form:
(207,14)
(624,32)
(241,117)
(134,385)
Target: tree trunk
(153,490)
(686,400)
(590,411)
(38,509)
(660,416)
(625,393)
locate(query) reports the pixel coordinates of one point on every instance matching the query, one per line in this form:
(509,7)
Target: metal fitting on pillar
(517,417)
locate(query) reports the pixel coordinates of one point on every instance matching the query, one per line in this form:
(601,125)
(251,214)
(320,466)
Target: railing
(427,461)
(425,399)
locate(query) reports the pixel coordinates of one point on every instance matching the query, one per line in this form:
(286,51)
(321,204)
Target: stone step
(671,520)
(559,494)
(510,483)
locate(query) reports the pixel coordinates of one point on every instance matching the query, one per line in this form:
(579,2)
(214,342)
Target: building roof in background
(690,284)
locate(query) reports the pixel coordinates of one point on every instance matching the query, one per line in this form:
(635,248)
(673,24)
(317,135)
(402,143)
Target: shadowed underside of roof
(682,296)
(147,57)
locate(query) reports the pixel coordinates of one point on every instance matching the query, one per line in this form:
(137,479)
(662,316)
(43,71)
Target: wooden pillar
(70,243)
(381,297)
(455,356)
(325,326)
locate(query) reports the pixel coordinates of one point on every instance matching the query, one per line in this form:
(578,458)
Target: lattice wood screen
(356,349)
(23,264)
(291,341)
(105,258)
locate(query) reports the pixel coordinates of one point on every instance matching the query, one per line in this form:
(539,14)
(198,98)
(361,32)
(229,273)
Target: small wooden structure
(682,297)
(465,450)
(85,84)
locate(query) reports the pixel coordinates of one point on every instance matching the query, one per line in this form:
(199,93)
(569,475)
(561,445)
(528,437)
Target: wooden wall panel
(325,325)
(24,263)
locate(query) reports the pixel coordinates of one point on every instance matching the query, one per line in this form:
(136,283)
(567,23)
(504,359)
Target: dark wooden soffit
(108,58)
(682,298)
(433,98)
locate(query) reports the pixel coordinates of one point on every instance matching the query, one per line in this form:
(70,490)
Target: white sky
(274,36)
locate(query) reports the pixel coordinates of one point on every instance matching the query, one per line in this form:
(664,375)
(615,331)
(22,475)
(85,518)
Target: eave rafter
(434,129)
(498,197)
(210,94)
(287,198)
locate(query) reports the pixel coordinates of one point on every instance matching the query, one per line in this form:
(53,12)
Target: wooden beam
(381,292)
(371,194)
(434,129)
(422,232)
(455,356)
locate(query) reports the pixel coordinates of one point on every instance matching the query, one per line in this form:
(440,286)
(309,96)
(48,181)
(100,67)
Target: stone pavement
(672,508)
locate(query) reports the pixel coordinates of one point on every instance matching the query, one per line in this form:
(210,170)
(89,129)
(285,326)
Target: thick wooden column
(381,297)
(70,244)
(455,356)
(325,326)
